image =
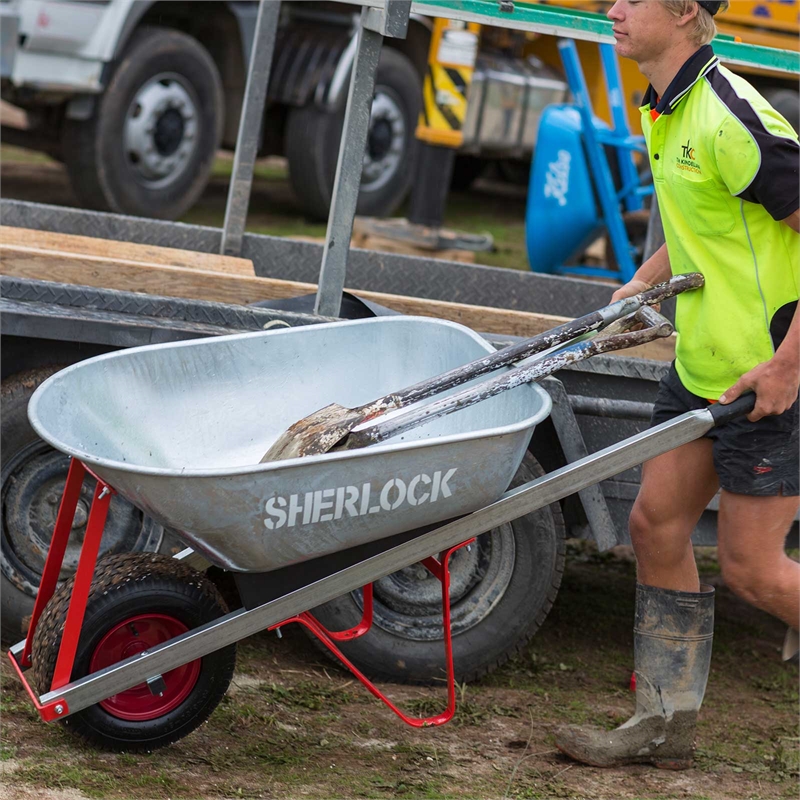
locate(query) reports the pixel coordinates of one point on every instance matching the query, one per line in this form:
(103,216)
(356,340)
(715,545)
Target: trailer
(48,325)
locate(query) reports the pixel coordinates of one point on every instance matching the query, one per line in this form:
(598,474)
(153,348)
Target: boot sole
(674,764)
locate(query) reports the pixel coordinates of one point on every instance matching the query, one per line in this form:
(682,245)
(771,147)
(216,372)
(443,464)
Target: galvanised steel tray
(178,429)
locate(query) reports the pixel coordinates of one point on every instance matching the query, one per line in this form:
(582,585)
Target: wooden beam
(102,272)
(127,251)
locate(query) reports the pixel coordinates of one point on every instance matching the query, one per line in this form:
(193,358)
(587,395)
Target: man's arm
(776,382)
(655,270)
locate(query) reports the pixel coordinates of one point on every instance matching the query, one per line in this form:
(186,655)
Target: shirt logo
(687,162)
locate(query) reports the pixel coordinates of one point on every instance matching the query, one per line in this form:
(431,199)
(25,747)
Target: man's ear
(689,16)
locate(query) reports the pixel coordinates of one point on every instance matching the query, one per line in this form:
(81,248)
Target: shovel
(332,426)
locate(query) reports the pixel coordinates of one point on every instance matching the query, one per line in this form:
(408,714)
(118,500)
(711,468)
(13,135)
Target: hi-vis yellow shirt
(725,168)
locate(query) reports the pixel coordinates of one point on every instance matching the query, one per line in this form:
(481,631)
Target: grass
(487,208)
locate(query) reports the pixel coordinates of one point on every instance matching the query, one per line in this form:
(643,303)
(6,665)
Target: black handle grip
(726,412)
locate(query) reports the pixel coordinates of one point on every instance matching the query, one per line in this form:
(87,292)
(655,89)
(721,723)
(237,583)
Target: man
(725,166)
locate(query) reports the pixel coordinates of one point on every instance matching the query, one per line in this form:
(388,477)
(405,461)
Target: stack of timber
(167,272)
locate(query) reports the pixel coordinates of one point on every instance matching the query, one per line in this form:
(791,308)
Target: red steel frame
(440,570)
(57,709)
(80,591)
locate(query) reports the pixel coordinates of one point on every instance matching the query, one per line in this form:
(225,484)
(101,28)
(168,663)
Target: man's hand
(630,289)
(776,384)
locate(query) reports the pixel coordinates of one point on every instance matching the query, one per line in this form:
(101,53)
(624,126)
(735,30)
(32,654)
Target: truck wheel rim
(32,483)
(161,130)
(133,636)
(386,142)
(407,603)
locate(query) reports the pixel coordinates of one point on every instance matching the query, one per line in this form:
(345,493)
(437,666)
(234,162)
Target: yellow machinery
(771,23)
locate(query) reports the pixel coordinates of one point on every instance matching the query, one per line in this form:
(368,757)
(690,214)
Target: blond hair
(705,28)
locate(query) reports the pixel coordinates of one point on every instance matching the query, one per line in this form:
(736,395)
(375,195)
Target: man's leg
(673,624)
(751,544)
(676,488)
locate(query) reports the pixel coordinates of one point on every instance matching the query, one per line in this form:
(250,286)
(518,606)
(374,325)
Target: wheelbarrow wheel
(137,601)
(501,592)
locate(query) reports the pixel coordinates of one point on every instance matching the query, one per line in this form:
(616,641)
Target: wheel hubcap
(33,482)
(408,603)
(161,129)
(134,636)
(386,142)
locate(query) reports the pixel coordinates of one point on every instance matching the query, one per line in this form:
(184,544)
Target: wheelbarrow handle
(615,337)
(727,412)
(594,321)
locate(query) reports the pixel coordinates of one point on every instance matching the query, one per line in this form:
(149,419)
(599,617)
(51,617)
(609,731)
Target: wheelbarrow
(137,650)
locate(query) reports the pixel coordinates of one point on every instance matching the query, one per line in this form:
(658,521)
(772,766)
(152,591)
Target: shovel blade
(315,434)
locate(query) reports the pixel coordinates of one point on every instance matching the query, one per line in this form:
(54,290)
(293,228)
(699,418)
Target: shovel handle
(616,337)
(674,286)
(596,320)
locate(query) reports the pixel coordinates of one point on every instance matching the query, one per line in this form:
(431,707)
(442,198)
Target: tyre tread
(116,573)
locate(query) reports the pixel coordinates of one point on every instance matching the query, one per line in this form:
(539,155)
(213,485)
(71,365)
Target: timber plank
(103,272)
(127,251)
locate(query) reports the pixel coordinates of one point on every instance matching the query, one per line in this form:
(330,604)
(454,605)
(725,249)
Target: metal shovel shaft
(615,339)
(536,344)
(329,427)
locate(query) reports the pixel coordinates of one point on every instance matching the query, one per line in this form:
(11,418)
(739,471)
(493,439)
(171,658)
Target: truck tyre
(787,103)
(313,135)
(149,147)
(33,476)
(501,593)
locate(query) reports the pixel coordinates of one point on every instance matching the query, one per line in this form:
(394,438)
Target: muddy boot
(672,651)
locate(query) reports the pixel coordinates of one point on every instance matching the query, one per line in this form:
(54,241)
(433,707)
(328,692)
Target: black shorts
(758,458)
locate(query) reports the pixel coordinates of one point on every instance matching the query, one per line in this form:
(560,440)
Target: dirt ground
(294,726)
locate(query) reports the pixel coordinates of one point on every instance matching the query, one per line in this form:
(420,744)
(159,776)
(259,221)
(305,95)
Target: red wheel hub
(135,635)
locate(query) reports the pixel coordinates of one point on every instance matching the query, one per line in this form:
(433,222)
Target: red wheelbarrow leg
(82,585)
(440,570)
(55,554)
(362,627)
(80,593)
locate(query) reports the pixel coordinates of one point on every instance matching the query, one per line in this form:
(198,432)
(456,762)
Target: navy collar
(694,68)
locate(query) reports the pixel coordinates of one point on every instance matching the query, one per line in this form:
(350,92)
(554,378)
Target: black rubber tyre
(313,135)
(787,103)
(126,588)
(33,476)
(112,160)
(507,623)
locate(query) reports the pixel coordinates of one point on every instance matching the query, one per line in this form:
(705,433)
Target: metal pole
(250,126)
(348,171)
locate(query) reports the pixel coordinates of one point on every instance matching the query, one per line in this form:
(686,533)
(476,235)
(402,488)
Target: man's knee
(640,526)
(744,578)
(653,536)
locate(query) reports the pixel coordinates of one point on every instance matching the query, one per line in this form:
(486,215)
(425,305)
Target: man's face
(642,28)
